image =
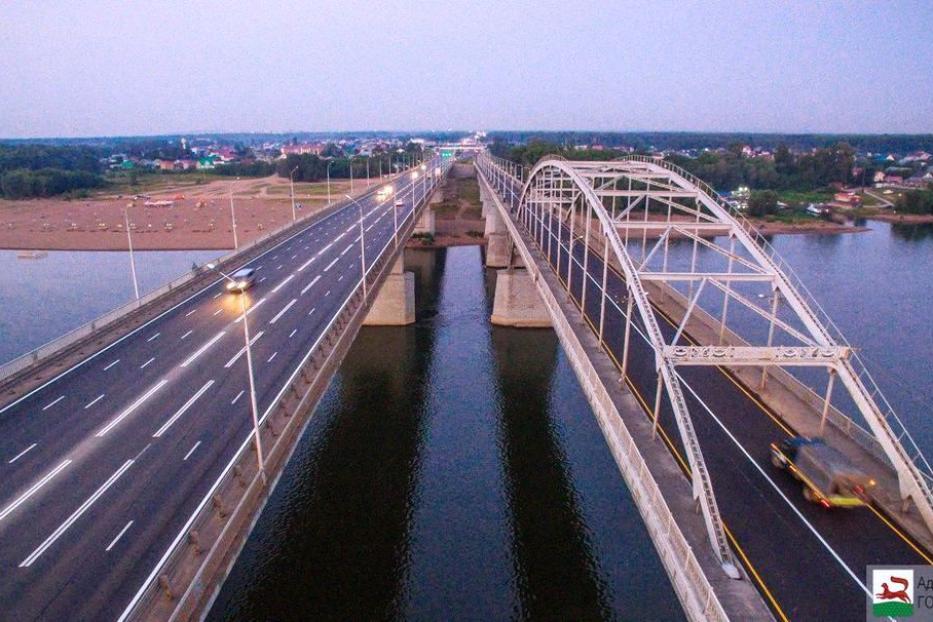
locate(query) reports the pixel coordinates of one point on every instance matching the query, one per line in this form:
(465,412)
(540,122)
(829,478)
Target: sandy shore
(196,217)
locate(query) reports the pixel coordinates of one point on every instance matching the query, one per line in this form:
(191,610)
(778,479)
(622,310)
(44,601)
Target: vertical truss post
(573,217)
(775,295)
(726,293)
(628,332)
(656,413)
(828,399)
(602,302)
(586,257)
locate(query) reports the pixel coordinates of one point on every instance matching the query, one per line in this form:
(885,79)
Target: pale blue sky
(100,68)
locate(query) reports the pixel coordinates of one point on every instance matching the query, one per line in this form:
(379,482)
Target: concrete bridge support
(498,245)
(426,222)
(395,303)
(517,302)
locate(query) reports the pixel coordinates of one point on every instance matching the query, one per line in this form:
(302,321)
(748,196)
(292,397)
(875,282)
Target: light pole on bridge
(362,246)
(291,179)
(129,243)
(257,440)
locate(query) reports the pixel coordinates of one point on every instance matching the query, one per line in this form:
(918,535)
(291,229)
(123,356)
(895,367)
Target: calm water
(41,299)
(453,470)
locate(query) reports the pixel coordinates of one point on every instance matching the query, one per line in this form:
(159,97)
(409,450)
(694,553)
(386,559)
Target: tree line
(309,167)
(37,170)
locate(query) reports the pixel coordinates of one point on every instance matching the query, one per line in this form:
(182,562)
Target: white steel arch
(798,332)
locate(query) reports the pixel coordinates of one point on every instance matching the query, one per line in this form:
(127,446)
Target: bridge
(137,457)
(697,347)
(137,453)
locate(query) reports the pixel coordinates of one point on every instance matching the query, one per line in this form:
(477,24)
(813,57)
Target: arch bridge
(652,258)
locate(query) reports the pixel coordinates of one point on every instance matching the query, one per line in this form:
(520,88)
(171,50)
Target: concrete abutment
(395,303)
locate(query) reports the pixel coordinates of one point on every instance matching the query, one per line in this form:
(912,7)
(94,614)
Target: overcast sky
(117,68)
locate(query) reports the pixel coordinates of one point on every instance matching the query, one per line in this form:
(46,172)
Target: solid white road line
(282,284)
(53,402)
(331,264)
(272,357)
(119,535)
(311,284)
(190,451)
(111,365)
(146,364)
(183,409)
(23,453)
(132,407)
(153,338)
(186,335)
(203,349)
(283,311)
(238,396)
(94,401)
(75,516)
(33,489)
(236,357)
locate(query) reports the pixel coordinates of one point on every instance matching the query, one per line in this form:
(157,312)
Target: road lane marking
(186,335)
(217,312)
(374,224)
(203,349)
(190,312)
(131,408)
(153,338)
(33,489)
(273,356)
(217,295)
(292,334)
(111,365)
(191,451)
(306,264)
(146,364)
(22,453)
(310,285)
(279,267)
(331,264)
(236,357)
(311,311)
(53,402)
(94,401)
(282,284)
(327,293)
(263,279)
(238,395)
(251,309)
(183,409)
(295,256)
(283,311)
(339,278)
(344,251)
(119,535)
(75,516)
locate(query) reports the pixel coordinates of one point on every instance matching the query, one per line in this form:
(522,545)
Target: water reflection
(912,233)
(557,573)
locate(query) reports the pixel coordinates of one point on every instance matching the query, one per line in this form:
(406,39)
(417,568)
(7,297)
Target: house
(302,148)
(166,165)
(186,165)
(893,179)
(878,178)
(206,163)
(847,199)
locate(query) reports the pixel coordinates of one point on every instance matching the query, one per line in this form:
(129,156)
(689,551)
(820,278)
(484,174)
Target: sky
(131,68)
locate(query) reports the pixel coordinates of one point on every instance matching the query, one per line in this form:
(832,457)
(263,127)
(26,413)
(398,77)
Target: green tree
(762,203)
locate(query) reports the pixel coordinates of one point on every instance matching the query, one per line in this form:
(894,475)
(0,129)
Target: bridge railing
(75,335)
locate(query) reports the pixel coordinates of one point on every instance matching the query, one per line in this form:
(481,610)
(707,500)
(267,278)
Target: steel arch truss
(676,242)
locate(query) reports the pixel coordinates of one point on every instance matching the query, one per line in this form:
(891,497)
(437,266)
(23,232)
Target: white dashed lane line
(94,401)
(53,402)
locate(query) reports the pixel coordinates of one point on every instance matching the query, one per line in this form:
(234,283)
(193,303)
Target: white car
(241,280)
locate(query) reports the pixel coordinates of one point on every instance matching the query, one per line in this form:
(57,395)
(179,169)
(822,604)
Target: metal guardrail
(231,474)
(75,335)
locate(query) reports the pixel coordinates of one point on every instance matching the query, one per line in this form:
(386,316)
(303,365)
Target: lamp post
(129,243)
(350,163)
(362,245)
(328,181)
(367,172)
(233,218)
(257,440)
(291,178)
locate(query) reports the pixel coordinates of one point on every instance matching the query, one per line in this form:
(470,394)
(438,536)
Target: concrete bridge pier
(517,302)
(426,222)
(395,303)
(499,249)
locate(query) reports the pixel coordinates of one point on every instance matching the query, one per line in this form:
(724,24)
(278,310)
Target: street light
(350,162)
(291,178)
(249,366)
(328,181)
(362,245)
(129,242)
(233,218)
